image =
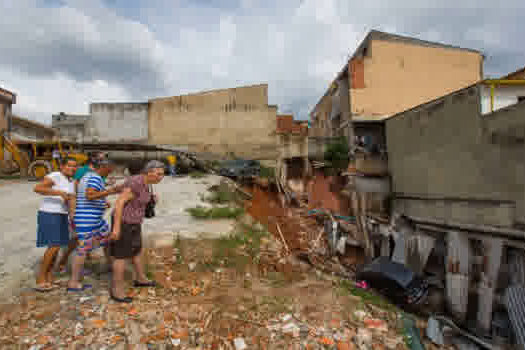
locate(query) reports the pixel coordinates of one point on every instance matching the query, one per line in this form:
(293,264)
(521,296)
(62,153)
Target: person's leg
(46,265)
(117,282)
(49,273)
(65,257)
(85,244)
(136,252)
(140,276)
(103,241)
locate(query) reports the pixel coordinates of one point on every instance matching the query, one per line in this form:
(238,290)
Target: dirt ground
(212,294)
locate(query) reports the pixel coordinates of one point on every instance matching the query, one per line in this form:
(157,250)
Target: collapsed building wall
(457,176)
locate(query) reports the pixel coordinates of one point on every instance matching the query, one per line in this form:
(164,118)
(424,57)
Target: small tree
(337,153)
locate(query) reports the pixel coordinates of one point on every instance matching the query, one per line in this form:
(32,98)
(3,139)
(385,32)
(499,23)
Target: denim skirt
(52,230)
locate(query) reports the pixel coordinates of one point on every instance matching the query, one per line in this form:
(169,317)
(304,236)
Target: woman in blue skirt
(58,203)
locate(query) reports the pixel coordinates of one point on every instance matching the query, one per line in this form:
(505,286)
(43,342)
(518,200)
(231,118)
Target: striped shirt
(89,213)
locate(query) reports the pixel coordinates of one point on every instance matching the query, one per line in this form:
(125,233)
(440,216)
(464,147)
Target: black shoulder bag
(150,207)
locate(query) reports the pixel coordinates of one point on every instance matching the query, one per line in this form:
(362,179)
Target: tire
(40,168)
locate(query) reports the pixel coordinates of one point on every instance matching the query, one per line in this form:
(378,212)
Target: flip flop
(125,300)
(144,284)
(76,290)
(44,289)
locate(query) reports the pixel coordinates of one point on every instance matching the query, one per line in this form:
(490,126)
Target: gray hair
(153,164)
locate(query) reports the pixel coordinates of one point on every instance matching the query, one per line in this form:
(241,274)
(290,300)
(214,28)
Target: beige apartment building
(235,121)
(388,74)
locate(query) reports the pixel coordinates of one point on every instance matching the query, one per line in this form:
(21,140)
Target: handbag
(150,207)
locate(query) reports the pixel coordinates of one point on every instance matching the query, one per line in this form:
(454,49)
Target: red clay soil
(324,193)
(266,208)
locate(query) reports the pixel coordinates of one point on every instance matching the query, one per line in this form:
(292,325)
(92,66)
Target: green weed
(215,212)
(197,174)
(345,287)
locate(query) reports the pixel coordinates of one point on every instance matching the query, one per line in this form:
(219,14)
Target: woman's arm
(122,199)
(93,194)
(45,187)
(72,205)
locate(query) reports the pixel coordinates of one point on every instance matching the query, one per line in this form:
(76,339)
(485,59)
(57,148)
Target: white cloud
(60,59)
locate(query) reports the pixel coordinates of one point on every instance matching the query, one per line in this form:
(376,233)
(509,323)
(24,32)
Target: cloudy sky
(60,55)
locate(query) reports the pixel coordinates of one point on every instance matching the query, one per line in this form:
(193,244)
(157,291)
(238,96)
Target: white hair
(153,164)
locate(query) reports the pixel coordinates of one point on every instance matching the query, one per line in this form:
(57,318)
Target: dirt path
(19,204)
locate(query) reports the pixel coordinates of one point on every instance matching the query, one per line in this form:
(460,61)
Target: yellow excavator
(45,157)
(36,159)
(20,160)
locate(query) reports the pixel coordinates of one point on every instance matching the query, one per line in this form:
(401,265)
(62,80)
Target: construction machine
(45,156)
(19,159)
(36,158)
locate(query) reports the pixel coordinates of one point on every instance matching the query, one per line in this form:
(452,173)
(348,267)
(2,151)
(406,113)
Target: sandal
(126,300)
(144,284)
(75,290)
(44,288)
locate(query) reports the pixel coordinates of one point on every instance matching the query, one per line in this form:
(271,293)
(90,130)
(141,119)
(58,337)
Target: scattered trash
(362,285)
(286,317)
(375,324)
(291,328)
(360,315)
(435,331)
(412,333)
(240,344)
(79,329)
(84,299)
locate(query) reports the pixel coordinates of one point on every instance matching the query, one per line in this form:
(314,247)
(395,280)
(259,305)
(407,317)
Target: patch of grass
(179,251)
(225,253)
(148,271)
(215,212)
(220,197)
(267,172)
(277,279)
(277,304)
(227,250)
(345,287)
(197,174)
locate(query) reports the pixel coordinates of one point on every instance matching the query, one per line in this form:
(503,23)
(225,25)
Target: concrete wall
(444,161)
(235,120)
(321,126)
(292,146)
(118,122)
(399,75)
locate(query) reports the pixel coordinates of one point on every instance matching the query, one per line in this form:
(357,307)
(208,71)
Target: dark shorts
(52,230)
(129,243)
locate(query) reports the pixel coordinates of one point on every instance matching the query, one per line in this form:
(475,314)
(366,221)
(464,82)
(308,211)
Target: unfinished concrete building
(71,127)
(235,121)
(457,171)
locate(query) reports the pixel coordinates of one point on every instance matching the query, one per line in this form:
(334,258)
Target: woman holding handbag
(136,202)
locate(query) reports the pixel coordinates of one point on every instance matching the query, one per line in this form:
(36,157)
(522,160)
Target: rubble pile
(203,302)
